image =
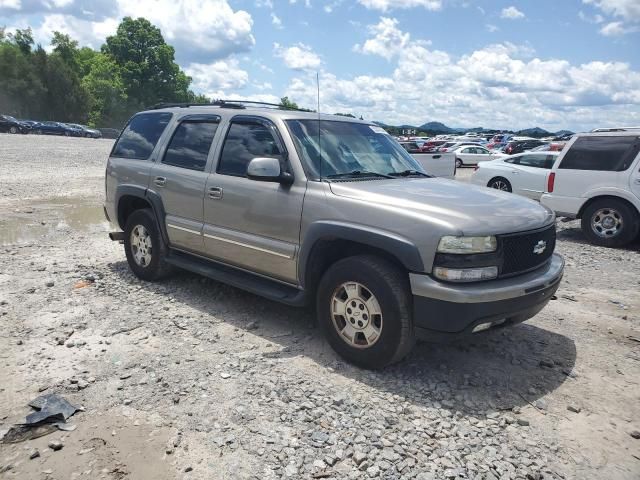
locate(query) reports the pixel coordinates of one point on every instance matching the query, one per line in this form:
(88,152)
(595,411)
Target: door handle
(514,172)
(215,193)
(160,181)
(637,182)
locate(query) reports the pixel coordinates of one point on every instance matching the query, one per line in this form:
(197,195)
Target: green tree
(147,64)
(24,40)
(108,98)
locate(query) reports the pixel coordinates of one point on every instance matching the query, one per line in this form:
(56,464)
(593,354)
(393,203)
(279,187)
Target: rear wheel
(610,223)
(500,183)
(364,309)
(144,247)
(459,163)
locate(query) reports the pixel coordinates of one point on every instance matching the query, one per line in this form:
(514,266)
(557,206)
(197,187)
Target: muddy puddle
(41,219)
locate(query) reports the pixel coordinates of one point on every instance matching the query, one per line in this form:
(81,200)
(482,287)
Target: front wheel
(610,223)
(144,248)
(13,130)
(500,183)
(365,311)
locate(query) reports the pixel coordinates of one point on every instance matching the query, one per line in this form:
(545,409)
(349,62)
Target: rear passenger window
(536,161)
(140,136)
(246,141)
(610,154)
(190,144)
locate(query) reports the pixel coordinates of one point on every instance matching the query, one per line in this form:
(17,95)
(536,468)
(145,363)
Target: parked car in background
(451,146)
(54,128)
(109,132)
(9,124)
(32,124)
(549,147)
(519,146)
(432,145)
(467,155)
(411,147)
(597,180)
(525,173)
(497,142)
(85,131)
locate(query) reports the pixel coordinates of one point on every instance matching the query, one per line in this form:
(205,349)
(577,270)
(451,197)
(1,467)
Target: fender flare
(405,251)
(150,197)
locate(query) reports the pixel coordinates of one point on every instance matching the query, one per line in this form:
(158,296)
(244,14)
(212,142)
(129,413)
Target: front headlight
(465,274)
(467,245)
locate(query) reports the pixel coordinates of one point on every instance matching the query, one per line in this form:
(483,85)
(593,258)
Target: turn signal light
(551,182)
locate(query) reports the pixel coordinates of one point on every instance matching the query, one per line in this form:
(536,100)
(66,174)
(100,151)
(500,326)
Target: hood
(461,208)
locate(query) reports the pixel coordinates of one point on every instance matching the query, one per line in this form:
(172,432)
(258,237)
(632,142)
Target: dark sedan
(55,128)
(8,124)
(85,131)
(519,146)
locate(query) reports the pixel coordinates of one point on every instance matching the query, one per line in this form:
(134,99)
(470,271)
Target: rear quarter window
(141,135)
(610,154)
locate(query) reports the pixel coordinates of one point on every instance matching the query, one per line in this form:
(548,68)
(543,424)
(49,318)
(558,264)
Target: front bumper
(447,309)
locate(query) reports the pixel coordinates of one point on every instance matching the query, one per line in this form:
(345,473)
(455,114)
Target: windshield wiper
(408,173)
(359,173)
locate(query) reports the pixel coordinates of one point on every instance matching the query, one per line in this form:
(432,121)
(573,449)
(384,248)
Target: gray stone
(635,434)
(373,471)
(320,437)
(574,408)
(34,454)
(49,283)
(55,445)
(523,422)
(358,457)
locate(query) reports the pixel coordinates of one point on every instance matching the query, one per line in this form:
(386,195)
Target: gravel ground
(193,379)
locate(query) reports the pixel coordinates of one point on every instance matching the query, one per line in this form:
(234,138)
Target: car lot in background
(525,174)
(55,128)
(8,124)
(469,155)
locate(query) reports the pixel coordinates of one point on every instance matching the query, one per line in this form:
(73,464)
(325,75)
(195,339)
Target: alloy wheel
(141,246)
(356,315)
(606,222)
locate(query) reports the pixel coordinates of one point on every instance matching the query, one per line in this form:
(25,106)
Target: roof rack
(238,104)
(614,129)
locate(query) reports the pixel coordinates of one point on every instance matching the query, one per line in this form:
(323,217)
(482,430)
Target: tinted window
(189,145)
(246,141)
(611,154)
(141,135)
(536,160)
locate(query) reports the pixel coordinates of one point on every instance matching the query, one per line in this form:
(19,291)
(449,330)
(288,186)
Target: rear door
(529,174)
(179,178)
(249,223)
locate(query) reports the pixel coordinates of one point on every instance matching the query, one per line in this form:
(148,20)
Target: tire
(610,223)
(87,135)
(500,183)
(144,247)
(13,130)
(67,134)
(459,163)
(390,331)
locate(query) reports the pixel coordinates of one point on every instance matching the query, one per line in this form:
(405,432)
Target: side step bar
(238,278)
(117,236)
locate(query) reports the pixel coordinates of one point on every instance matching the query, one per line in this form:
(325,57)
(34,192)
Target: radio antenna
(319,120)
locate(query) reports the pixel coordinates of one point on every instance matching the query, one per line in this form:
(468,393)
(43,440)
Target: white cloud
(297,57)
(276,22)
(511,13)
(586,18)
(210,26)
(217,76)
(491,28)
(386,5)
(11,4)
(388,40)
(502,85)
(615,29)
(627,9)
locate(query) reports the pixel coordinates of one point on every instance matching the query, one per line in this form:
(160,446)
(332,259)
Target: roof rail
(239,104)
(614,129)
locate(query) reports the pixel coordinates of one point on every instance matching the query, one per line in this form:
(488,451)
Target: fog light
(466,274)
(481,326)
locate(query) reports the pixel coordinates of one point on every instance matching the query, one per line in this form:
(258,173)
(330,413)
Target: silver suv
(307,209)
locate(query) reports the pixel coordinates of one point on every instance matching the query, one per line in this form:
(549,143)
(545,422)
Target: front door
(180,177)
(249,223)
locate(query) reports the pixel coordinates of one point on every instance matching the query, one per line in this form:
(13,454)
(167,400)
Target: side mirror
(267,169)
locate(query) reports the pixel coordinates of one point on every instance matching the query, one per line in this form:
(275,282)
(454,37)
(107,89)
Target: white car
(473,155)
(597,179)
(525,173)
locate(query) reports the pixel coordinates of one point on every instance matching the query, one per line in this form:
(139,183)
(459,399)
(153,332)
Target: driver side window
(245,141)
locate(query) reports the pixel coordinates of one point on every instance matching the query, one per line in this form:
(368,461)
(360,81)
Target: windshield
(348,147)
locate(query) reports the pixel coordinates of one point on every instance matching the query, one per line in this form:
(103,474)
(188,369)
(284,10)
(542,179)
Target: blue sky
(504,64)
